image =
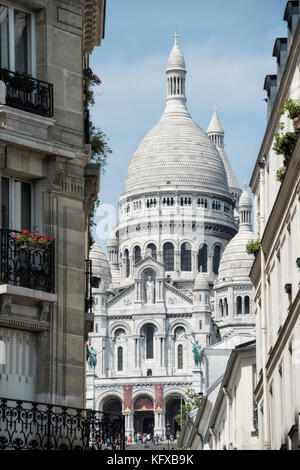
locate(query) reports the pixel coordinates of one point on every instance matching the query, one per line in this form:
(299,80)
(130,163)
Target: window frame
(11,35)
(12,200)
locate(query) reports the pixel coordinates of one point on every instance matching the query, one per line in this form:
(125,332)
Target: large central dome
(176,151)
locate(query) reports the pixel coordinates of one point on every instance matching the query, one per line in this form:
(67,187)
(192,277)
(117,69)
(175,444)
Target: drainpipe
(229,405)
(266,410)
(214,436)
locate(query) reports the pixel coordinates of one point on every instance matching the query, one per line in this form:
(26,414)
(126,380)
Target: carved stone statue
(92,358)
(149,287)
(198,353)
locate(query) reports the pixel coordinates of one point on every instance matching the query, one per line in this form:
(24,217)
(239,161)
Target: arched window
(120,358)
(180,356)
(152,247)
(225,307)
(221,308)
(186,257)
(179,332)
(149,334)
(216,260)
(202,259)
(247,305)
(169,256)
(239,305)
(137,254)
(127,263)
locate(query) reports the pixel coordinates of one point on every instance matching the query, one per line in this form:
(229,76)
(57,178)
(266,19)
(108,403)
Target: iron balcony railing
(27,93)
(26,265)
(26,425)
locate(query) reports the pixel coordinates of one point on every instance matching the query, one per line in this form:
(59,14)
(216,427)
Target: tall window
(17,40)
(127,263)
(186,257)
(149,333)
(152,247)
(137,254)
(239,305)
(225,310)
(221,307)
(120,358)
(169,256)
(202,259)
(247,305)
(16,204)
(180,356)
(216,260)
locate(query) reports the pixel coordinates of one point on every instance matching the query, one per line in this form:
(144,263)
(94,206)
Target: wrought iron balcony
(26,425)
(28,93)
(26,265)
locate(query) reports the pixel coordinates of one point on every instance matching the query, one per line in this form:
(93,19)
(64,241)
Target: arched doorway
(173,407)
(143,415)
(112,405)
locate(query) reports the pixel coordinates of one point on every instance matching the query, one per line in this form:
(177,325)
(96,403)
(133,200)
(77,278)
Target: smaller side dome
(245,199)
(100,266)
(201,282)
(112,239)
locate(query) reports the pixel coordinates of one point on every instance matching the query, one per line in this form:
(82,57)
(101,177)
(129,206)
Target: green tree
(98,140)
(192,402)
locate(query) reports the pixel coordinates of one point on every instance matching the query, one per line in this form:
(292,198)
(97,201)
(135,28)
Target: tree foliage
(192,402)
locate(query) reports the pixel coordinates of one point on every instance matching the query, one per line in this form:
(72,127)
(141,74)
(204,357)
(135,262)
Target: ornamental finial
(215,109)
(245,186)
(175,36)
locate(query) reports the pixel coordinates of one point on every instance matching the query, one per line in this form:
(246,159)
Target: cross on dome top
(176,36)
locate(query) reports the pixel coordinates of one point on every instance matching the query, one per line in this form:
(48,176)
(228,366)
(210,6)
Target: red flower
(20,236)
(13,234)
(25,231)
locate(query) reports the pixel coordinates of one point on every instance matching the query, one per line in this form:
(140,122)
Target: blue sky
(227,47)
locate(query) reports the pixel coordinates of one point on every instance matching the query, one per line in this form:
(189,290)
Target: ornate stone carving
(44,311)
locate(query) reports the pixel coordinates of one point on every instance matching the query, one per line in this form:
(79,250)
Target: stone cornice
(24,324)
(8,132)
(93,24)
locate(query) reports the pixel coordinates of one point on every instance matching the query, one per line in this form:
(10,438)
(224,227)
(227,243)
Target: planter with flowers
(284,144)
(28,240)
(292,107)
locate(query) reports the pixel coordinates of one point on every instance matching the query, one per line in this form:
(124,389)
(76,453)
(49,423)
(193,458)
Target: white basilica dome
(176,151)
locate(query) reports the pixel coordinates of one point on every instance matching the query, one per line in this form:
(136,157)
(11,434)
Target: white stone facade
(275,272)
(176,218)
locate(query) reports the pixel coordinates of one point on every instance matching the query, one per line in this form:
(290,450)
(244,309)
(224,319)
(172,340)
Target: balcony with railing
(26,425)
(26,265)
(27,93)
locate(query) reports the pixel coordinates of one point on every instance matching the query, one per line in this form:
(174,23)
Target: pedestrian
(157,438)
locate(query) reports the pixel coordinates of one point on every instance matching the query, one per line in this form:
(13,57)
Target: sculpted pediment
(123,299)
(175,297)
